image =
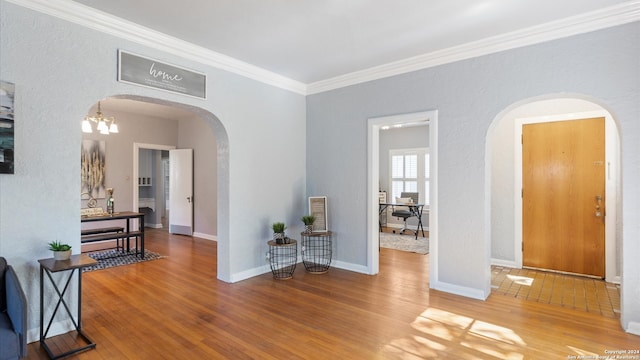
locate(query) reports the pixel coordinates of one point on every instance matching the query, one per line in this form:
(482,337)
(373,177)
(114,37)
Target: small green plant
(58,246)
(278,227)
(308,219)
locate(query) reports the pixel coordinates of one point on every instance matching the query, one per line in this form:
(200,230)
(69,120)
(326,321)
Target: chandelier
(105,125)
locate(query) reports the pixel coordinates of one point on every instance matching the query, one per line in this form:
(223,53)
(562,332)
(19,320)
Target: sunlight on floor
(521,280)
(440,330)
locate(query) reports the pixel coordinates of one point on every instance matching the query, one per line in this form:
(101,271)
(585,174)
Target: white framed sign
(139,70)
(318,208)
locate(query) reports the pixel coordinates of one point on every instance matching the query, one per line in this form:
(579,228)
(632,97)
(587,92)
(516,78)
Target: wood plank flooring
(175,308)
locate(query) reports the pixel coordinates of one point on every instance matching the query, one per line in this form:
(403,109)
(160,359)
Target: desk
(49,266)
(127,234)
(414,209)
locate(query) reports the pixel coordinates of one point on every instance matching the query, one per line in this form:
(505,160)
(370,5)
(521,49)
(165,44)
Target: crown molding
(596,20)
(109,24)
(91,18)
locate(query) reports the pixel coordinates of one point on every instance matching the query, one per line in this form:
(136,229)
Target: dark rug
(404,243)
(112,258)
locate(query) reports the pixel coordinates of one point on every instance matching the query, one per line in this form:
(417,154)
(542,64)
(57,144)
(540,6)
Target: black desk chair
(408,212)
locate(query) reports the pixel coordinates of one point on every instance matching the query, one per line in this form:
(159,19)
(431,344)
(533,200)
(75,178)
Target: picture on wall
(7,91)
(92,169)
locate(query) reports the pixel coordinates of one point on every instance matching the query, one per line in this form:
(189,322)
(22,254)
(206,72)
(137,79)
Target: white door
(181,191)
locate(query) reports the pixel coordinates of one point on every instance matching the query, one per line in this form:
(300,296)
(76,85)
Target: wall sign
(151,73)
(318,208)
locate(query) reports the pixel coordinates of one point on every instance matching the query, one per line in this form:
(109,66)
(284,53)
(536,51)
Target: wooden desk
(49,266)
(127,234)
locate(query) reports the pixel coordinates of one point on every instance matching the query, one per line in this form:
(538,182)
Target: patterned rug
(404,243)
(112,258)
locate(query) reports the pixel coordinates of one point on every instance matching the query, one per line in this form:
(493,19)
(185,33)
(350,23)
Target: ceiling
(314,40)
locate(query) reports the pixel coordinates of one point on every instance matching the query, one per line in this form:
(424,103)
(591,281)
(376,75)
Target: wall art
(93,169)
(7,136)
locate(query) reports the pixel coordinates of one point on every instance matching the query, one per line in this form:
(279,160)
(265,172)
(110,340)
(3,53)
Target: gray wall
(194,133)
(62,69)
(602,66)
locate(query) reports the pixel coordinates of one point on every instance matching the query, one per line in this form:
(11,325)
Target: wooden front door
(563,180)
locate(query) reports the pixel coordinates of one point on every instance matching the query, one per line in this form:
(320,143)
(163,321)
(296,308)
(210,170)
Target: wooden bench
(101,234)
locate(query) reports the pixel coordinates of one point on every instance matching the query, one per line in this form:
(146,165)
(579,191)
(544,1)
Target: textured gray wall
(61,69)
(603,66)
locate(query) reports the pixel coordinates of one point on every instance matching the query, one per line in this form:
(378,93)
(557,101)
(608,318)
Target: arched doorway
(504,174)
(220,155)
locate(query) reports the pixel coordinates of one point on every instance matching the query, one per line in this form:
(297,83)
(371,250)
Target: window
(409,172)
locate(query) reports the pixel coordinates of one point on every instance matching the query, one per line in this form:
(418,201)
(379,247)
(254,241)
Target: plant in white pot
(60,251)
(278,232)
(308,221)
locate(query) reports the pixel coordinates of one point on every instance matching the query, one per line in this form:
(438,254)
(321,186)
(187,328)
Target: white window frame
(422,180)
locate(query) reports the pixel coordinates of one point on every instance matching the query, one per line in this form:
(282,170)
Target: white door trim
(136,161)
(373,181)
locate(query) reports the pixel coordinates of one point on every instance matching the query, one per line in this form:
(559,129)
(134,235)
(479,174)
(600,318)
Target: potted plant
(278,232)
(60,251)
(308,221)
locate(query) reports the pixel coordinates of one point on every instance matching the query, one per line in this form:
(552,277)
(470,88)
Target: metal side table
(316,251)
(50,266)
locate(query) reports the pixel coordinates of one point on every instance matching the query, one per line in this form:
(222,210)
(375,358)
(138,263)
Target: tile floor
(582,293)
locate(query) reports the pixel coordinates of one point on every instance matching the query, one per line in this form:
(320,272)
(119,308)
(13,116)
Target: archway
(503,174)
(222,156)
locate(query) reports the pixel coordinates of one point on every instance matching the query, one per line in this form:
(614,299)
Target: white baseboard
(460,290)
(350,267)
(505,263)
(205,236)
(634,328)
(244,275)
(247,274)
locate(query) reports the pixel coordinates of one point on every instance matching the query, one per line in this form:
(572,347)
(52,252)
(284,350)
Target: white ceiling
(314,40)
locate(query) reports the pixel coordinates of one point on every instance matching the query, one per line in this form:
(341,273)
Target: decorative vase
(110,201)
(62,255)
(308,229)
(278,237)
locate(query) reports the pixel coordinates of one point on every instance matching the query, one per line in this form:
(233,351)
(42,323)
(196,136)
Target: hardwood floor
(175,308)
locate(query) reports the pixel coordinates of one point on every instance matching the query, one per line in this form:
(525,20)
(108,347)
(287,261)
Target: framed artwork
(7,91)
(92,169)
(318,208)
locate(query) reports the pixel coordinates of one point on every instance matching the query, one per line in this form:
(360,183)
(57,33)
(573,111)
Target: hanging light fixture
(105,125)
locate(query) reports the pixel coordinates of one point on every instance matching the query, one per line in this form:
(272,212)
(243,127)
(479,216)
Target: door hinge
(522,193)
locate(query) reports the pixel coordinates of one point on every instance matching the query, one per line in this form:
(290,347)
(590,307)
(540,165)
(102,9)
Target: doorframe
(136,164)
(612,160)
(373,180)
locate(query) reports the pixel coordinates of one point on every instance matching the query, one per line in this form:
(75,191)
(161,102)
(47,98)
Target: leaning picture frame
(318,209)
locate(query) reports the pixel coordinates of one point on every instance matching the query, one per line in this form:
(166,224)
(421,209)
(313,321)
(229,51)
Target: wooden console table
(116,235)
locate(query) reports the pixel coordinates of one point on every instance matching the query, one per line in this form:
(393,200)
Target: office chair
(409,212)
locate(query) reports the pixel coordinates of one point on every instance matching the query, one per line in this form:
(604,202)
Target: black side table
(316,251)
(49,266)
(283,259)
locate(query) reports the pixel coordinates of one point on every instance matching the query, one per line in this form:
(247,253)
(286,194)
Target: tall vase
(110,201)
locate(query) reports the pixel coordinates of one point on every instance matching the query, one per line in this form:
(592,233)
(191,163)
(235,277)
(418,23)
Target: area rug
(112,258)
(404,243)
